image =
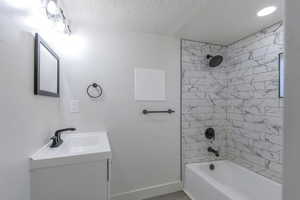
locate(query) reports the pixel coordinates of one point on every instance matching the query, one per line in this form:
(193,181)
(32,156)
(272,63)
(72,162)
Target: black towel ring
(97,87)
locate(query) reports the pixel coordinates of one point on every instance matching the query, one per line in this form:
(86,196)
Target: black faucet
(210,149)
(56,139)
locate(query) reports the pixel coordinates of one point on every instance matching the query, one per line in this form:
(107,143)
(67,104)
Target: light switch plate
(74,106)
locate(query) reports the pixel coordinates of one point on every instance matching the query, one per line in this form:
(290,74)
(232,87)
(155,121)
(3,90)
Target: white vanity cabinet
(77,170)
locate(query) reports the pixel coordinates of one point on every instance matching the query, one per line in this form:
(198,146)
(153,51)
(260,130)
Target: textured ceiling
(217,21)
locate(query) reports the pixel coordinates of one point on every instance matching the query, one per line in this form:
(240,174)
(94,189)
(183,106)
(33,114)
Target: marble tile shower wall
(239,99)
(254,112)
(203,101)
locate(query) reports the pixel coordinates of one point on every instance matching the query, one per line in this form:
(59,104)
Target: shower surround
(239,99)
(203,101)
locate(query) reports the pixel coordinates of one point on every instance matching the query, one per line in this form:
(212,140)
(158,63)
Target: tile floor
(173,196)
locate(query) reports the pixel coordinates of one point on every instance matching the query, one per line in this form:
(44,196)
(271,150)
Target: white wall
(291,175)
(146,149)
(26,121)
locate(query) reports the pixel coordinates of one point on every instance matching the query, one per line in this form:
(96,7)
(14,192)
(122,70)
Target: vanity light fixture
(56,14)
(52,7)
(266,11)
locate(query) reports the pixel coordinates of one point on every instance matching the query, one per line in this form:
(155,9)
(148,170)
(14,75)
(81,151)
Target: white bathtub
(228,182)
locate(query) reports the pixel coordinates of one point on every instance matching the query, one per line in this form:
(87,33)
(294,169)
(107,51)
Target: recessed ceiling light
(52,8)
(266,11)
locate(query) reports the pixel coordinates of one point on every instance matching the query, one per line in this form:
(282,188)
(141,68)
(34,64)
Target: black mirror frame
(37,90)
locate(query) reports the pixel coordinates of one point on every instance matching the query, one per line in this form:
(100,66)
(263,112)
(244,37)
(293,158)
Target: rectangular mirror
(46,63)
(281,75)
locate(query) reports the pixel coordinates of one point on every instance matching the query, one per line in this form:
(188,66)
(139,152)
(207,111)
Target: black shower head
(214,61)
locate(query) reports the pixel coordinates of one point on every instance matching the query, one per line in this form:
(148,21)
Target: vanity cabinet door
(88,181)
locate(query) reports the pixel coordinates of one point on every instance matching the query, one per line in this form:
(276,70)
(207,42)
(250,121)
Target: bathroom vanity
(78,169)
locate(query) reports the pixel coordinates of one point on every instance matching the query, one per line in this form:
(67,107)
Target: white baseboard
(149,192)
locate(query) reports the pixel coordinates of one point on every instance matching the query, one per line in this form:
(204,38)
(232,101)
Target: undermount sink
(77,147)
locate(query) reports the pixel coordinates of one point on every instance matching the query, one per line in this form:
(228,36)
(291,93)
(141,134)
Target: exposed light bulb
(52,8)
(266,11)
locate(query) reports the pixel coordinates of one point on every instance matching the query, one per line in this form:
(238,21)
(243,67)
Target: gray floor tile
(173,196)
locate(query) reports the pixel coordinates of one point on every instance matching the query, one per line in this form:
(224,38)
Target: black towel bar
(170,111)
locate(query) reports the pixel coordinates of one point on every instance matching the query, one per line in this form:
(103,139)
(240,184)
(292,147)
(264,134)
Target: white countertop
(76,148)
